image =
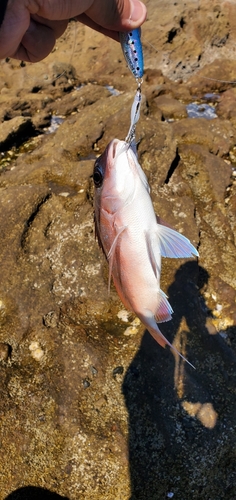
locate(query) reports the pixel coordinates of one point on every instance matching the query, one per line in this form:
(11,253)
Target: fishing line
(219,81)
(66,35)
(73,51)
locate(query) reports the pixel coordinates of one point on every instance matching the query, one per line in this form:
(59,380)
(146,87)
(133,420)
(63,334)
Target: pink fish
(132,237)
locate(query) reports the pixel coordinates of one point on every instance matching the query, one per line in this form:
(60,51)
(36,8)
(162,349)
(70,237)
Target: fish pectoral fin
(111,253)
(153,252)
(164,310)
(173,244)
(113,246)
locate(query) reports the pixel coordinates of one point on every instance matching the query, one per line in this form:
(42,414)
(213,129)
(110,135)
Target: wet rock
(14,132)
(190,37)
(212,77)
(79,98)
(217,136)
(226,106)
(171,108)
(208,175)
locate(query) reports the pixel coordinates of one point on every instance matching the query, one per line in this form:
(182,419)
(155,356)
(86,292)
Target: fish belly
(132,272)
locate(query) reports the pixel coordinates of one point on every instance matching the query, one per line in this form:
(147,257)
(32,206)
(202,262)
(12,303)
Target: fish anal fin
(164,310)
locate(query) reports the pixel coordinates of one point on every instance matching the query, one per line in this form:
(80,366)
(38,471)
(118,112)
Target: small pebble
(34,345)
(136,322)
(86,384)
(50,319)
(36,352)
(123,315)
(100,403)
(2,309)
(65,194)
(68,469)
(5,351)
(119,370)
(131,330)
(93,370)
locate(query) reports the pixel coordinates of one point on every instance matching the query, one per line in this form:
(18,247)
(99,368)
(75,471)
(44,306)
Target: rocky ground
(91,407)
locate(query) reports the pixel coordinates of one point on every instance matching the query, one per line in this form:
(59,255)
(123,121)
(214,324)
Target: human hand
(31,27)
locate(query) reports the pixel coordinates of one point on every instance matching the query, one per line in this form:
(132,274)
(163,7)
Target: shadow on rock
(34,493)
(182,421)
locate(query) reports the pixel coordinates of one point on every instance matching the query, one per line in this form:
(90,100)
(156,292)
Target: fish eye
(97,175)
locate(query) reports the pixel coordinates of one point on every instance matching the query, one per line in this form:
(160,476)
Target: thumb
(117,15)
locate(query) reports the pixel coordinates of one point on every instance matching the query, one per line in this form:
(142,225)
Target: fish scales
(132,237)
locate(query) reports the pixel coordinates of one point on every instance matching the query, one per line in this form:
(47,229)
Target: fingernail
(137,11)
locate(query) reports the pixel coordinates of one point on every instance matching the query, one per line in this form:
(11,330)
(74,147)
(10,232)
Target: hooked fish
(132,237)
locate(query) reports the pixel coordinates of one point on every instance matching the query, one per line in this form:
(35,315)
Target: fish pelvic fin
(162,340)
(173,244)
(111,254)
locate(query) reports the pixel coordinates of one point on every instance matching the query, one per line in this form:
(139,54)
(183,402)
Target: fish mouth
(114,147)
(118,147)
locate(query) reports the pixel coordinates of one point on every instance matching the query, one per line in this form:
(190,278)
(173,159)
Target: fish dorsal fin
(173,244)
(111,253)
(164,310)
(138,168)
(143,177)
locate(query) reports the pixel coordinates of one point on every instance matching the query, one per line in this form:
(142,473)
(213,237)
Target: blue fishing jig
(132,49)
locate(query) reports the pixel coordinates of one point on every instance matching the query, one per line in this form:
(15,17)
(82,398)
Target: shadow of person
(182,421)
(34,493)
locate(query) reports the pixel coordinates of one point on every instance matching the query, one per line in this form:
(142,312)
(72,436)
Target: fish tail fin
(158,336)
(162,340)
